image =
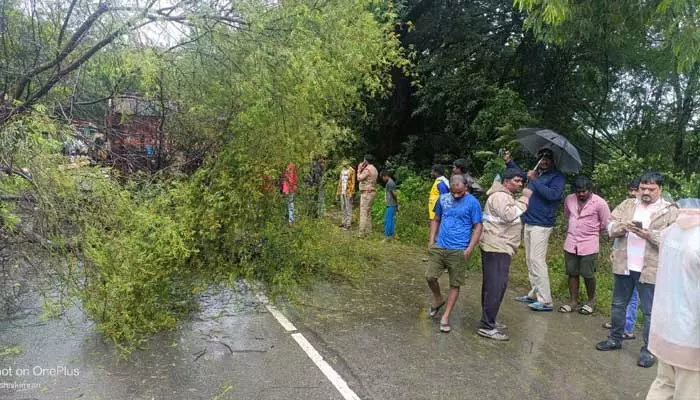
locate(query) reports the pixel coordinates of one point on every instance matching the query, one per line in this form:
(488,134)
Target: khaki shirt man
(637,224)
(367,176)
(499,241)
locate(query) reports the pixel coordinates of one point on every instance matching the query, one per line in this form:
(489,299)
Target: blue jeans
(290,208)
(389,218)
(631,316)
(623,288)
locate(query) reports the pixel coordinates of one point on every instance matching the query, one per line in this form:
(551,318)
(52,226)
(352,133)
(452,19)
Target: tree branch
(69,47)
(65,22)
(16,171)
(49,84)
(90,102)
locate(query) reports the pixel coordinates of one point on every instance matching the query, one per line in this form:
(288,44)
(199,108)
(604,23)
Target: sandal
(586,310)
(628,336)
(445,328)
(525,299)
(432,311)
(607,325)
(494,334)
(566,309)
(537,306)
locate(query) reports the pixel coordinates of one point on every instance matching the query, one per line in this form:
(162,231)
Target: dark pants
(495,268)
(623,287)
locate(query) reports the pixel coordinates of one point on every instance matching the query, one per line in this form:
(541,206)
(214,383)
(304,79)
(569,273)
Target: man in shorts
(587,215)
(454,232)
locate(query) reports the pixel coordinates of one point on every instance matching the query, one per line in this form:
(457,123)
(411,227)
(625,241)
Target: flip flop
(525,299)
(494,334)
(585,310)
(537,306)
(432,311)
(628,336)
(565,309)
(445,328)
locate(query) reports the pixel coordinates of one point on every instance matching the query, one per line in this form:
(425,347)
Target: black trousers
(495,267)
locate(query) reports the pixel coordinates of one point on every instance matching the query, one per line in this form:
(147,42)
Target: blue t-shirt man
(547,192)
(457,218)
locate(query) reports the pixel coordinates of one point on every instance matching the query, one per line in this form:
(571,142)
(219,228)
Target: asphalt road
(233,349)
(374,334)
(381,340)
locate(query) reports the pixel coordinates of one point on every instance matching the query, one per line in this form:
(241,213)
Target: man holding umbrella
(547,185)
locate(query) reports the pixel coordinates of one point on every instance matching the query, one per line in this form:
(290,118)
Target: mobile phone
(638,224)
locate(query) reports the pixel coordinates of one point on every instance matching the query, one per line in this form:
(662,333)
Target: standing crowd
(646,229)
(655,253)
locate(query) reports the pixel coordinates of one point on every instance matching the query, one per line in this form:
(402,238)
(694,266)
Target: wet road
(233,349)
(373,333)
(379,333)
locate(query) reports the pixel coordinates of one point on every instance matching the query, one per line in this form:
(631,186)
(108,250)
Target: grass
(11,351)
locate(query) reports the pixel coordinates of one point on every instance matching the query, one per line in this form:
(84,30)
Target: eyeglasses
(545,154)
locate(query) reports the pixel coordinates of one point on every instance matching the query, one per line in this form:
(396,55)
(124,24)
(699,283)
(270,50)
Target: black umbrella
(566,157)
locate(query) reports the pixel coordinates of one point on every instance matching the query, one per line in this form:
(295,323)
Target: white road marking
(327,370)
(288,326)
(335,378)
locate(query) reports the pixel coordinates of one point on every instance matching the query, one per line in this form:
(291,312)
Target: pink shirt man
(586,221)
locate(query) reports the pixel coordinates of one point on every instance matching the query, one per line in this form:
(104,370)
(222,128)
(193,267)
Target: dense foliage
(616,78)
(256,96)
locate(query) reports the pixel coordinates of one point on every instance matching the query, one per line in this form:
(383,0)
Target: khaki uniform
(368,189)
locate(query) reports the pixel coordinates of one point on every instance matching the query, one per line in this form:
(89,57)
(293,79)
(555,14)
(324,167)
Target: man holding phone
(637,224)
